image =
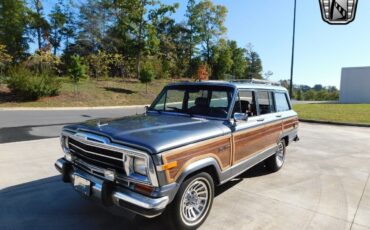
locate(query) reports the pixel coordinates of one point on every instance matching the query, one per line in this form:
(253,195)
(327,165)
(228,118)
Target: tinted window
(265,102)
(281,102)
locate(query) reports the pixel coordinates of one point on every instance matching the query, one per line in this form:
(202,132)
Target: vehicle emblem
(338,12)
(99,124)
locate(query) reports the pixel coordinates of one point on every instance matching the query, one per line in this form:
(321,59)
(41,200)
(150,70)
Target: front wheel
(276,161)
(193,202)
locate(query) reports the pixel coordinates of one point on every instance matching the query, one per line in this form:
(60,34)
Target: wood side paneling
(254,140)
(218,148)
(290,124)
(228,150)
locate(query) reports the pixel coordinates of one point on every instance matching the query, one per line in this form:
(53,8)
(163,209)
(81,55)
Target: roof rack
(256,81)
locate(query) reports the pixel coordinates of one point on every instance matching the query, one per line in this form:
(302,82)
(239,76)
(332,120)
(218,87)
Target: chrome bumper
(111,194)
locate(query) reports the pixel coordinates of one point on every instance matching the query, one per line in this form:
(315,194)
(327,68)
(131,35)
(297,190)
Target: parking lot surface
(324,184)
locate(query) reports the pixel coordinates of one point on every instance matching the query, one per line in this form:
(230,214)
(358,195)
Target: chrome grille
(96,155)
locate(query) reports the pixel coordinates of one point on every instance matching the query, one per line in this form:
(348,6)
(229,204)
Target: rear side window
(265,102)
(281,101)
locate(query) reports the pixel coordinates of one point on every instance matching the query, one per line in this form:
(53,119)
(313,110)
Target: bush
(77,69)
(33,86)
(146,76)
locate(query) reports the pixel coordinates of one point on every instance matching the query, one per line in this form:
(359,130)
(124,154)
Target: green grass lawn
(346,113)
(113,92)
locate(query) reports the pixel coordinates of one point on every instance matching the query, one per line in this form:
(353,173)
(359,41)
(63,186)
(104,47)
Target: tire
(192,203)
(276,161)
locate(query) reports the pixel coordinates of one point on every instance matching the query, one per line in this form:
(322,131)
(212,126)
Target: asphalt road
(324,184)
(22,125)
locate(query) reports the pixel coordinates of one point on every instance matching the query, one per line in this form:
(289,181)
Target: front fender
(198,166)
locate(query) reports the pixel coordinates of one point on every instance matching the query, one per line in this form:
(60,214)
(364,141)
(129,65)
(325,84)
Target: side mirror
(146,108)
(240,117)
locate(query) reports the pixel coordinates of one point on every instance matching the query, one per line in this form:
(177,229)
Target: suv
(194,136)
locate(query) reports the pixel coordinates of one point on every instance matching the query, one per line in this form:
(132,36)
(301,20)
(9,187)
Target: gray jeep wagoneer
(193,137)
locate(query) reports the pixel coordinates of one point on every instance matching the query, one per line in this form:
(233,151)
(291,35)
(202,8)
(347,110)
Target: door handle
(260,120)
(278,116)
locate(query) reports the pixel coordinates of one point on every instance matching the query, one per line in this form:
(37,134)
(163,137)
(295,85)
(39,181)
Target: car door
(288,118)
(261,131)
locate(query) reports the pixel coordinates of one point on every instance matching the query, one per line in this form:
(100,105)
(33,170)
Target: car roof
(234,84)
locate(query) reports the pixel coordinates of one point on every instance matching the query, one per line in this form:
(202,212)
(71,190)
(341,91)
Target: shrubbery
(32,85)
(313,95)
(146,76)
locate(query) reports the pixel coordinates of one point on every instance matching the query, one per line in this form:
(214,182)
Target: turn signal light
(145,189)
(170,165)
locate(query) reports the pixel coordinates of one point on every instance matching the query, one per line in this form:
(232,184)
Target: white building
(355,85)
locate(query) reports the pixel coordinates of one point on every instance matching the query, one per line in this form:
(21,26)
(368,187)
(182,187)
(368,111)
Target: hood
(154,132)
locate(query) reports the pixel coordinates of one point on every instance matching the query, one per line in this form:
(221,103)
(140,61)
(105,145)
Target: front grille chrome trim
(97,154)
(88,139)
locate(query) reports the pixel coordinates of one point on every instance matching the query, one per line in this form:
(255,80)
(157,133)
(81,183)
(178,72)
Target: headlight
(140,166)
(64,143)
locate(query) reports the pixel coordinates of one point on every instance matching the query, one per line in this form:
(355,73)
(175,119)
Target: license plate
(82,185)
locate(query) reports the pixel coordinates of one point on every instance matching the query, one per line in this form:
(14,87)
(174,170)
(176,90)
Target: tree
(202,73)
(146,76)
(70,27)
(99,64)
(209,23)
(221,60)
(162,32)
(93,26)
(13,28)
(193,38)
(317,87)
(298,95)
(181,49)
(132,20)
(239,65)
(5,58)
(254,69)
(77,70)
(43,62)
(38,24)
(58,20)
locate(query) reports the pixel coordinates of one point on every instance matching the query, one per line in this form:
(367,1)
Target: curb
(71,108)
(335,123)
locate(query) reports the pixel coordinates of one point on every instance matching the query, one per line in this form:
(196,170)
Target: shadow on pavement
(256,171)
(51,204)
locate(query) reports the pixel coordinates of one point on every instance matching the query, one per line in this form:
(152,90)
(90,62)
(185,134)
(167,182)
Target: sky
(321,49)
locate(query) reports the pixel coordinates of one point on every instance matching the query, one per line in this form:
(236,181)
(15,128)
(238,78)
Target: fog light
(109,175)
(69,157)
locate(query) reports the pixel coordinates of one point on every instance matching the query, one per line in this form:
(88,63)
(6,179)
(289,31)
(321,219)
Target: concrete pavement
(324,184)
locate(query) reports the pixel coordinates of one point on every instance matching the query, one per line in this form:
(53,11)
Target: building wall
(355,85)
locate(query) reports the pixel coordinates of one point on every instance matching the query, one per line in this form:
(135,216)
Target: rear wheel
(276,161)
(193,202)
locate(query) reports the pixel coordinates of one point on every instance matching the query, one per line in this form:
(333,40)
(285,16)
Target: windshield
(209,101)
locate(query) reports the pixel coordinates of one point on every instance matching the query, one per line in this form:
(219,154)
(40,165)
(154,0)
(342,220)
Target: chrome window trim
(127,152)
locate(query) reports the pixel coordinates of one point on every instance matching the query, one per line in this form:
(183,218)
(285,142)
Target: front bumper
(110,194)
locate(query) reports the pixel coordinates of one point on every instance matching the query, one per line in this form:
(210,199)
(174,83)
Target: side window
(246,103)
(281,102)
(265,102)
